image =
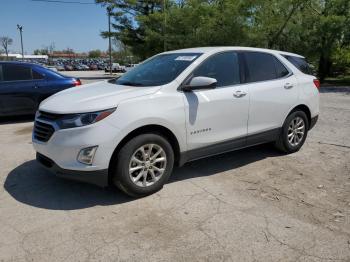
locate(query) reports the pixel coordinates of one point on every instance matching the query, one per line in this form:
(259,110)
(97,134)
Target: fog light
(86,155)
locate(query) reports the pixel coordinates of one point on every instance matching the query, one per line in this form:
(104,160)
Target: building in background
(28,58)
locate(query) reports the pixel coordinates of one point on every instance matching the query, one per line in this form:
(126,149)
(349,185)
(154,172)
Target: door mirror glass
(200,82)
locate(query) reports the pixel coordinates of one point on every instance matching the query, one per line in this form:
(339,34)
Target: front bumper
(97,177)
(64,145)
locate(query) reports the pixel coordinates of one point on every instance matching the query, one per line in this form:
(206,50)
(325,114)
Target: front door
(219,116)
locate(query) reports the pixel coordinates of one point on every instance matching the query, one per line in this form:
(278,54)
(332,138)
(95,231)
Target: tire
(291,141)
(130,157)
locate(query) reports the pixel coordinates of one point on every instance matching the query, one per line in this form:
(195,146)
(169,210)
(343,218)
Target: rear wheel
(293,133)
(144,164)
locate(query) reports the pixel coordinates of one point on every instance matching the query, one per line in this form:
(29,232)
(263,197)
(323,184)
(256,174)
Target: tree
(128,25)
(6,42)
(95,53)
(333,25)
(317,29)
(43,51)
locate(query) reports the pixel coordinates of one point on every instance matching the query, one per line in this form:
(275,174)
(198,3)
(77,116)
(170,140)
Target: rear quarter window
(281,70)
(37,75)
(299,63)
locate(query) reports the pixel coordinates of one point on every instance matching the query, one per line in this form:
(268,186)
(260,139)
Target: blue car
(24,85)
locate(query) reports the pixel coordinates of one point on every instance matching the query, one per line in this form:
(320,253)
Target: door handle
(239,94)
(36,87)
(288,86)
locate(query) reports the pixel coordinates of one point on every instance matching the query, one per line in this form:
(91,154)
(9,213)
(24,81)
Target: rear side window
(16,72)
(224,67)
(281,70)
(299,63)
(263,67)
(37,75)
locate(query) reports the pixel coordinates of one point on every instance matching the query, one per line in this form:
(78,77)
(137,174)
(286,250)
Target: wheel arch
(157,129)
(305,109)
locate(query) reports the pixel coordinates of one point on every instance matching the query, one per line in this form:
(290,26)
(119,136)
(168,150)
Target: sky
(67,25)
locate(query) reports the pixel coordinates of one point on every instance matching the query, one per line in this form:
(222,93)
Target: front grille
(43,131)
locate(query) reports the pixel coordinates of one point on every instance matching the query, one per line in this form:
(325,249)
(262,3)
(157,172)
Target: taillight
(317,83)
(77,82)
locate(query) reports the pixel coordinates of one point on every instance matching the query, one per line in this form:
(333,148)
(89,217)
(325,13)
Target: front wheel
(143,165)
(293,133)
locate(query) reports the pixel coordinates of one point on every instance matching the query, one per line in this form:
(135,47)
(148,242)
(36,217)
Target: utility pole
(109,10)
(164,27)
(20,28)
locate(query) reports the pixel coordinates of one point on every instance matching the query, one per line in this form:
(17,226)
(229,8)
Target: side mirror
(200,82)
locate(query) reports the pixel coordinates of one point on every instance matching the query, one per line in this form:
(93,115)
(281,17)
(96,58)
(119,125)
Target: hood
(92,97)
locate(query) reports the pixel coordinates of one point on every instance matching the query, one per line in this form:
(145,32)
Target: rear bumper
(96,177)
(313,122)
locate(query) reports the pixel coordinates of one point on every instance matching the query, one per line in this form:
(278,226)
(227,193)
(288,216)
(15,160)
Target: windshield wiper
(129,83)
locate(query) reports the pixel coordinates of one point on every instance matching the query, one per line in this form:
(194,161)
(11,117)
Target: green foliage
(95,53)
(341,62)
(317,29)
(44,51)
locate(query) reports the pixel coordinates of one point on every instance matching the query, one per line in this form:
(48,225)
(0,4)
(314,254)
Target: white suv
(173,108)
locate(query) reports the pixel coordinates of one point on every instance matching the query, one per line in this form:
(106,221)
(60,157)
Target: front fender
(166,110)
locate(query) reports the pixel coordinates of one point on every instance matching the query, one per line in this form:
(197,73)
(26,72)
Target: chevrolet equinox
(173,108)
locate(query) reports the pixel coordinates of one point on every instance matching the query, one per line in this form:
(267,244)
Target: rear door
(273,91)
(18,93)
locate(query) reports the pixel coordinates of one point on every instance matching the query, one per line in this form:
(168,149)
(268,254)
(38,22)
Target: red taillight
(77,82)
(317,83)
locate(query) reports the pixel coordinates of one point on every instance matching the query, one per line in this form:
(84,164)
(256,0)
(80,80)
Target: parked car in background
(24,85)
(93,67)
(116,68)
(68,68)
(84,67)
(130,66)
(77,67)
(101,66)
(176,107)
(60,67)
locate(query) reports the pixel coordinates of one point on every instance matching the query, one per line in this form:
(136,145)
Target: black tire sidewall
(289,148)
(121,176)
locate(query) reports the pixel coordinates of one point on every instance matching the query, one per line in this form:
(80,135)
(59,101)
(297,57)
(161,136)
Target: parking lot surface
(250,205)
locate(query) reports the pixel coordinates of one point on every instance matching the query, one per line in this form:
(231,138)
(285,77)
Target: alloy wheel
(296,131)
(147,165)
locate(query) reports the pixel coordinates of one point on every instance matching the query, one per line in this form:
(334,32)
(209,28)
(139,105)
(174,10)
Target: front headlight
(83,119)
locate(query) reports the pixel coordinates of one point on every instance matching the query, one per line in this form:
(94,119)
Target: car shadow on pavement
(33,185)
(223,162)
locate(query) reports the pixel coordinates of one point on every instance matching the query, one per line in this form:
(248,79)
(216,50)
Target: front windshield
(159,70)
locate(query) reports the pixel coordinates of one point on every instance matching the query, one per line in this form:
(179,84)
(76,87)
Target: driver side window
(224,67)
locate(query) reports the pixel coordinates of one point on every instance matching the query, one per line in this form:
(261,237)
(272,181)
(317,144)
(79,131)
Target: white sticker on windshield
(185,58)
